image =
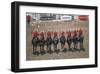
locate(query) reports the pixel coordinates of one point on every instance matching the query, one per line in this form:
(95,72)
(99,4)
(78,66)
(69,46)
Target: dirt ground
(57,26)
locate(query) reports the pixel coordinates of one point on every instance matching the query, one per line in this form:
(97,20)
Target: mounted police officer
(49,42)
(35,42)
(81,39)
(55,42)
(75,40)
(63,41)
(42,43)
(69,41)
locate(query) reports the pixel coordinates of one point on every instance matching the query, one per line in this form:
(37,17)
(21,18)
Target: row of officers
(40,41)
